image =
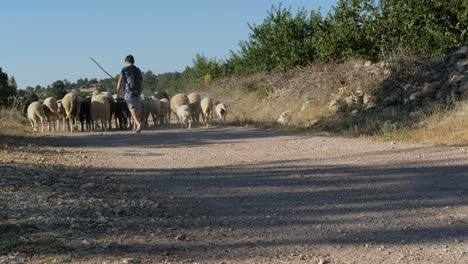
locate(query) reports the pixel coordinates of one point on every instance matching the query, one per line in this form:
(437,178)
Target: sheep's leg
(42,125)
(32,124)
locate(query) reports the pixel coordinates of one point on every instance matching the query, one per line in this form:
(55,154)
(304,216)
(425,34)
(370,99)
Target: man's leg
(133,106)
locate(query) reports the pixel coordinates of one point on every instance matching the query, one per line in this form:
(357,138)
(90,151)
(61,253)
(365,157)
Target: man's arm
(119,84)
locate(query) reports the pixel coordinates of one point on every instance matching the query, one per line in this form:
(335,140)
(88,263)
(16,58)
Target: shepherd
(132,79)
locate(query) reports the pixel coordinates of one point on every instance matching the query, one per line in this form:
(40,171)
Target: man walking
(132,79)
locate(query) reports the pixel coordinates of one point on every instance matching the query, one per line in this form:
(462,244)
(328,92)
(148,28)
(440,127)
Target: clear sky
(47,40)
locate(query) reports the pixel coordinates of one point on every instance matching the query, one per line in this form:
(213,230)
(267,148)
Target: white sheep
(35,112)
(110,97)
(50,106)
(165,115)
(177,101)
(72,104)
(207,111)
(195,107)
(100,110)
(155,109)
(61,115)
(184,116)
(221,112)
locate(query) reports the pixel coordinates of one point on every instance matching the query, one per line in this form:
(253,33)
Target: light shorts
(133,102)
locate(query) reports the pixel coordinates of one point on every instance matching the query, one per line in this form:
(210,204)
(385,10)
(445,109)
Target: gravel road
(230,195)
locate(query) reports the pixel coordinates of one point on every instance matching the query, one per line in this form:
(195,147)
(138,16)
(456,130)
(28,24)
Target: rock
(462,51)
(323,261)
(284,118)
(88,185)
(128,260)
(462,64)
(85,242)
(181,237)
(305,105)
(337,106)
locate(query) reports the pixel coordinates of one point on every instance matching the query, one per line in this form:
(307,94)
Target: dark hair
(130,59)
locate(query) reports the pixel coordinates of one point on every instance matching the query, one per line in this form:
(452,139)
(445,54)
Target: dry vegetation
(405,112)
(12,123)
(261,98)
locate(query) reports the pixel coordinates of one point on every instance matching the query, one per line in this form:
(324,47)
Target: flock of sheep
(97,111)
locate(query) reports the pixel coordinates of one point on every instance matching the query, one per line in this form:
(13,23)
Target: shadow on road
(255,206)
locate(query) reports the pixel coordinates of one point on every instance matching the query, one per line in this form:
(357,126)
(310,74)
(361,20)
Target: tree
(57,90)
(7,87)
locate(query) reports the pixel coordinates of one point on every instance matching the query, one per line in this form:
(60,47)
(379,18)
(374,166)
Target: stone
(181,237)
(337,106)
(323,261)
(284,118)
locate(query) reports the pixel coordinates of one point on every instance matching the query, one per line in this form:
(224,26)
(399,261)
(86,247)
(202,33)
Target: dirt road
(231,195)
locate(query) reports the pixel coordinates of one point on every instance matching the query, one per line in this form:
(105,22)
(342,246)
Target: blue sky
(48,40)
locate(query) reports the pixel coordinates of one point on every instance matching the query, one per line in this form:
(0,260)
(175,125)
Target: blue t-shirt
(132,80)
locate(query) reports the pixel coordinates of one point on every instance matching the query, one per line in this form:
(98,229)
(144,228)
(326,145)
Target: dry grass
(442,128)
(12,123)
(260,99)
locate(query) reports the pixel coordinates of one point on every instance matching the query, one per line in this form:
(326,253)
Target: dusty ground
(230,195)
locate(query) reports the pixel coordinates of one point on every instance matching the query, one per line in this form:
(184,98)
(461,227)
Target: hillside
(406,93)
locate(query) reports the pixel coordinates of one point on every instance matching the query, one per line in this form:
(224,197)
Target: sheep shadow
(166,137)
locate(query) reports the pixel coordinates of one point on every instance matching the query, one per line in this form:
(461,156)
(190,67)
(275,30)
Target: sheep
(165,115)
(50,106)
(155,110)
(195,108)
(176,101)
(36,111)
(184,116)
(110,97)
(145,106)
(207,111)
(85,114)
(122,113)
(221,112)
(61,115)
(72,104)
(100,110)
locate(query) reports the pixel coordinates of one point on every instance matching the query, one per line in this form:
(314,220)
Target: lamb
(195,108)
(221,112)
(184,116)
(50,106)
(155,110)
(36,111)
(165,114)
(72,104)
(100,110)
(207,111)
(85,114)
(177,101)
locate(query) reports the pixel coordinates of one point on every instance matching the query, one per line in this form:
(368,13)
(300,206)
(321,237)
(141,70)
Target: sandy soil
(230,195)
